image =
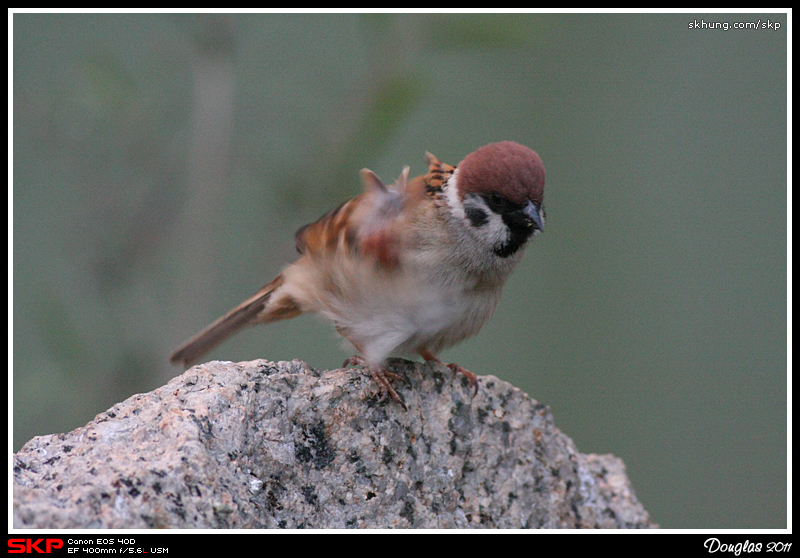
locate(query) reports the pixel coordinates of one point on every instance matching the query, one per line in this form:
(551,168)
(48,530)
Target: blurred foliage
(62,341)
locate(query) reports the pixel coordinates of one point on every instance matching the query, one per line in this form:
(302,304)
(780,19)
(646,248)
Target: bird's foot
(380,376)
(469,376)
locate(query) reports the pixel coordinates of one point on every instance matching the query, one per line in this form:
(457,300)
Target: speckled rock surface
(279,445)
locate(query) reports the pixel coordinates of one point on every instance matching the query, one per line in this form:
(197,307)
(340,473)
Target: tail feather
(251,311)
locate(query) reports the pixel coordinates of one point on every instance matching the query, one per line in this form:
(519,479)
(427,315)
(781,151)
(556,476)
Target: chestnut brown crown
(505,167)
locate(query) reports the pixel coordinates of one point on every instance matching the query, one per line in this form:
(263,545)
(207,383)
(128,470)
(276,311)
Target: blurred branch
(208,166)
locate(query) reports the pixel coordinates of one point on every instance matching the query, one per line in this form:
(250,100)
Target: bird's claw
(470,377)
(380,376)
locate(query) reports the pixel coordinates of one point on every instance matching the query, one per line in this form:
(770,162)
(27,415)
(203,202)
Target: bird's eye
(496,200)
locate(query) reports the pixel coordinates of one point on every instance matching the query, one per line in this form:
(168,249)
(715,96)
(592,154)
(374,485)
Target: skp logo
(29,546)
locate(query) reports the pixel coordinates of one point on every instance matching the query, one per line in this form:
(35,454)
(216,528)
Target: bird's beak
(534,213)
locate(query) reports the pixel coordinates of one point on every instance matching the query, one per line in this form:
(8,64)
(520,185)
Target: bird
(412,267)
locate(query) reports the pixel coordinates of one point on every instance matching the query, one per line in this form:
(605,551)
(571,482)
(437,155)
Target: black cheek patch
(516,241)
(476,216)
(520,231)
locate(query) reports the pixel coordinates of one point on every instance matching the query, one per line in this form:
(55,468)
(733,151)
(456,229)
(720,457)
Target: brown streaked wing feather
(438,174)
(323,234)
(243,315)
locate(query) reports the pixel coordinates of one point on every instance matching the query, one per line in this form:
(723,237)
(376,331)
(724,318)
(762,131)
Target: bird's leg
(380,376)
(471,378)
(354,360)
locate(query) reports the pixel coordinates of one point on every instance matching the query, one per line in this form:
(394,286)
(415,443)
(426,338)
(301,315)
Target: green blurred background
(163,162)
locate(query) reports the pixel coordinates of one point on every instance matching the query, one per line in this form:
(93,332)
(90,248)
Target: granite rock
(280,445)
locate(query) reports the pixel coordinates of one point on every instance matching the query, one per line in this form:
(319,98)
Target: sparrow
(411,267)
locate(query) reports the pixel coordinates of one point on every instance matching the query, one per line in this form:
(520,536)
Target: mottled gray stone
(262,444)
